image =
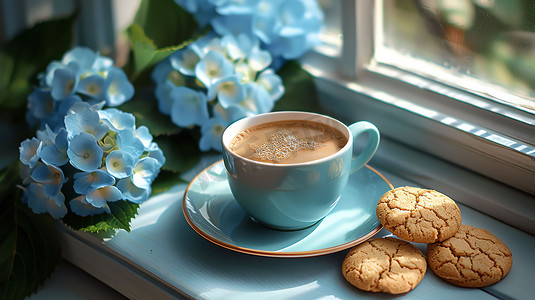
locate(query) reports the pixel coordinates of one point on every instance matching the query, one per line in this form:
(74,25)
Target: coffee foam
(281,145)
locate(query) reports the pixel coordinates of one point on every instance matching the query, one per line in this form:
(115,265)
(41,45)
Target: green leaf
(145,108)
(122,212)
(181,151)
(301,93)
(145,53)
(28,54)
(165,22)
(29,247)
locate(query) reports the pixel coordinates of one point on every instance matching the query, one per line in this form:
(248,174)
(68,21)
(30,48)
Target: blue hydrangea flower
(40,106)
(81,118)
(92,86)
(81,75)
(229,91)
(65,81)
(212,67)
(272,83)
(28,151)
(157,154)
(231,78)
(120,164)
(84,71)
(118,89)
(50,177)
(117,120)
(212,130)
(145,172)
(143,134)
(185,60)
(54,146)
(81,207)
(286,28)
(256,100)
(85,182)
(96,148)
(100,196)
(203,10)
(131,192)
(40,203)
(189,107)
(84,152)
(128,142)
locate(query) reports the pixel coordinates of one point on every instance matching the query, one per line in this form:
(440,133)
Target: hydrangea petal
(40,203)
(257,100)
(258,59)
(81,118)
(100,196)
(83,56)
(55,153)
(211,132)
(41,104)
(28,151)
(229,91)
(265,26)
(119,164)
(131,192)
(236,7)
(128,142)
(81,207)
(189,108)
(145,172)
(117,120)
(184,60)
(272,83)
(237,47)
(234,24)
(84,152)
(50,69)
(212,67)
(102,63)
(119,89)
(92,86)
(143,134)
(157,153)
(50,177)
(63,84)
(85,182)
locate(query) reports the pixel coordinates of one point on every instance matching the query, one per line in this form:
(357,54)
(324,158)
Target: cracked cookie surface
(387,265)
(418,215)
(473,257)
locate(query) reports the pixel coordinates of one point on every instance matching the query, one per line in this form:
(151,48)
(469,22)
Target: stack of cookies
(460,254)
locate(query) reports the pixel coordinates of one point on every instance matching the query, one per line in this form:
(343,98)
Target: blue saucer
(212,212)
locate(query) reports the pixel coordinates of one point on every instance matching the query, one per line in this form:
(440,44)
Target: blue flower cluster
(287,28)
(82,74)
(101,152)
(215,81)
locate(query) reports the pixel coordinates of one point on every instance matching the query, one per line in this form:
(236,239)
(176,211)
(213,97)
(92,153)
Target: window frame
(421,113)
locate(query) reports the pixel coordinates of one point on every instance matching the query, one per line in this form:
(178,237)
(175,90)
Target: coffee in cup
(287,170)
(288,142)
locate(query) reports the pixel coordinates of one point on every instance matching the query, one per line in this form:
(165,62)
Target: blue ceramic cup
(294,196)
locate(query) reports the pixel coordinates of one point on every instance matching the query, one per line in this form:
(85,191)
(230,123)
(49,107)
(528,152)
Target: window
(484,46)
(394,74)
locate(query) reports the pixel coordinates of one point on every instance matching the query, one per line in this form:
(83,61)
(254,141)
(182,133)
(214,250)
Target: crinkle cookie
(473,257)
(418,215)
(387,265)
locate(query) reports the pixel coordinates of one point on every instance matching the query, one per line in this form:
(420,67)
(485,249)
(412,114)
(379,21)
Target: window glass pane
(331,35)
(484,46)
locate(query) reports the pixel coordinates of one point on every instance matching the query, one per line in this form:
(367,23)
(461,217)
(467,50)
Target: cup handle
(363,157)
